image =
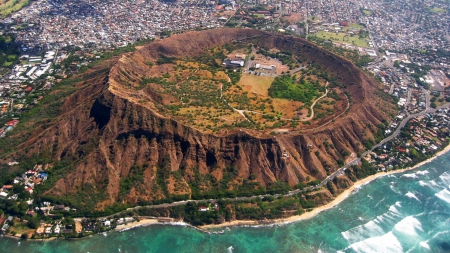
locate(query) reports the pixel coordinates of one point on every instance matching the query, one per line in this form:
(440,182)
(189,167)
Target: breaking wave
(444,195)
(412,196)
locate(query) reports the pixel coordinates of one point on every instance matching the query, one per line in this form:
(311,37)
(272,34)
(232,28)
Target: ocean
(407,212)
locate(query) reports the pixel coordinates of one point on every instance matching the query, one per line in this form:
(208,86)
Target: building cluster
(421,137)
(406,24)
(24,79)
(28,180)
(8,127)
(56,24)
(393,25)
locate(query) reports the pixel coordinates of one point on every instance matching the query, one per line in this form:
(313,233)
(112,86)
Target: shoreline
(252,223)
(337,200)
(141,223)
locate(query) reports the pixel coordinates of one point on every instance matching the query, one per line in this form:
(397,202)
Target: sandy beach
(140,223)
(332,204)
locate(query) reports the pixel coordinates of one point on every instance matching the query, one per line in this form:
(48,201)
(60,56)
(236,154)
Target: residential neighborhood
(404,45)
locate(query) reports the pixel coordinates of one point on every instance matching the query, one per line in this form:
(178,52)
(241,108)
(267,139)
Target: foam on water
(444,195)
(382,217)
(412,175)
(385,243)
(394,189)
(445,178)
(425,245)
(432,182)
(422,172)
(412,196)
(372,228)
(408,226)
(362,231)
(394,210)
(422,183)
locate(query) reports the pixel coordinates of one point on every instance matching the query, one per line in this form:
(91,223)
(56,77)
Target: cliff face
(113,136)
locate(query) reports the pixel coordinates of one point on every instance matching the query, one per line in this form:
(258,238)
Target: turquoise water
(407,212)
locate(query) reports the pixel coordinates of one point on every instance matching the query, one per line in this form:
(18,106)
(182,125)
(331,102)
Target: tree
(330,187)
(433,105)
(33,223)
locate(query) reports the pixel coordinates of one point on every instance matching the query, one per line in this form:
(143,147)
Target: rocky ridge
(111,134)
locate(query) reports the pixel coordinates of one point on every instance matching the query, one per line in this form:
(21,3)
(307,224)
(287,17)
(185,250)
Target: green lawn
(343,37)
(11,6)
(438,10)
(358,26)
(367,12)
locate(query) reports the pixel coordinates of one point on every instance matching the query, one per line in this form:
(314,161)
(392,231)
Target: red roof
(400,149)
(12,122)
(28,89)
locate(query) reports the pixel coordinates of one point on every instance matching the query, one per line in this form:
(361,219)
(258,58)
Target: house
(58,207)
(43,176)
(265,67)
(48,230)
(40,230)
(7,187)
(57,229)
(234,62)
(5,227)
(67,231)
(12,123)
(203,209)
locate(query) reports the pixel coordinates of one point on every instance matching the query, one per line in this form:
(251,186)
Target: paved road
(339,172)
(387,139)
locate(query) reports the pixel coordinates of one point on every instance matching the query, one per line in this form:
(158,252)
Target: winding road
(338,172)
(312,106)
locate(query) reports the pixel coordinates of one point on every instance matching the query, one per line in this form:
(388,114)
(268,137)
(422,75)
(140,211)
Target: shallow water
(408,212)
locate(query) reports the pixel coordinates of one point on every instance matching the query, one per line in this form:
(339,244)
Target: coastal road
(338,172)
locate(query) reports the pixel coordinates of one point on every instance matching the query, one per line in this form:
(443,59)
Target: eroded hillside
(123,148)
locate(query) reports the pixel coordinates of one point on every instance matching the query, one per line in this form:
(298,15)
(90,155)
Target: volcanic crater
(131,123)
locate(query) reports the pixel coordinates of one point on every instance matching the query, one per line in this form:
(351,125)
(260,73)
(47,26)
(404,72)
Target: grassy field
(9,6)
(438,10)
(367,12)
(343,37)
(259,84)
(357,26)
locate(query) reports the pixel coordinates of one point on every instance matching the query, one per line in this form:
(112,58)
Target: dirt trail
(312,106)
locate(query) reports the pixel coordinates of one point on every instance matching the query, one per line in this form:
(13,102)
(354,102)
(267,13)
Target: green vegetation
(286,87)
(9,51)
(134,178)
(165,60)
(360,171)
(438,10)
(10,6)
(343,37)
(255,209)
(352,55)
(285,57)
(367,12)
